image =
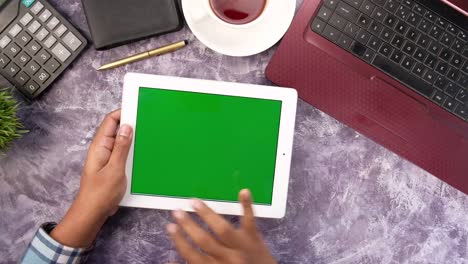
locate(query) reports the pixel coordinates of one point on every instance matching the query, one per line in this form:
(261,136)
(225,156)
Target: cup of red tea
(234,13)
(238,12)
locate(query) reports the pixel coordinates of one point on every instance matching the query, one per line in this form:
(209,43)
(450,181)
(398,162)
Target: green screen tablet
(208,146)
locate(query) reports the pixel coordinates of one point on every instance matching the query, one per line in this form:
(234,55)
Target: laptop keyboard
(405,40)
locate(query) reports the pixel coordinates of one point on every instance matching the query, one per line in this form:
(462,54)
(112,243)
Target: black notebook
(117,22)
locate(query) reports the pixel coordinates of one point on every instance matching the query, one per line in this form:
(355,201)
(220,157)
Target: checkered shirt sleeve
(44,249)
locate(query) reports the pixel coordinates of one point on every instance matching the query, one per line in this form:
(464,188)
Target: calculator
(36,45)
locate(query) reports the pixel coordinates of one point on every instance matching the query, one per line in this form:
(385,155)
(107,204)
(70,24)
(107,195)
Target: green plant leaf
(11,127)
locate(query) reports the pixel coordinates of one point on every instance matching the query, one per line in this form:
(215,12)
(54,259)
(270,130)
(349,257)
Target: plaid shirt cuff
(44,249)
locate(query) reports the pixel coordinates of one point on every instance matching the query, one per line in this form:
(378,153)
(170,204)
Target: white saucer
(241,40)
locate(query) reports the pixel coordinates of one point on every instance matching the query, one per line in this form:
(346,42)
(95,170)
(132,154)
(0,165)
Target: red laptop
(394,70)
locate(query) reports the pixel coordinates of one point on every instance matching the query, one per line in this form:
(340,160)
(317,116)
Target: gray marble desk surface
(350,200)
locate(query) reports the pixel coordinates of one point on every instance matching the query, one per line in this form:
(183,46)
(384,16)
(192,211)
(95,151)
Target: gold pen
(144,55)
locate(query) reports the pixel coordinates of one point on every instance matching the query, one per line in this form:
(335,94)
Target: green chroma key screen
(206,146)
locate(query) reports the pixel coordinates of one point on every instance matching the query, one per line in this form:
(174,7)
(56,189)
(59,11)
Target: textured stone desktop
(350,200)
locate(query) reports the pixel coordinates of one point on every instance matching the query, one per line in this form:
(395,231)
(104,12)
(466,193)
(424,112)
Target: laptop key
(423,41)
(367,7)
(391,6)
(408,63)
(374,43)
(435,32)
(412,34)
(379,2)
(441,23)
(430,61)
(364,21)
(354,3)
(456,61)
(435,48)
(447,39)
(439,97)
(425,26)
(396,56)
(375,28)
(337,22)
(400,74)
(419,10)
(453,74)
(450,104)
(397,41)
(463,81)
(401,27)
(347,12)
(430,16)
(390,21)
(414,19)
(351,30)
(324,13)
(441,82)
(465,67)
(330,3)
(363,36)
(462,96)
(368,55)
(329,32)
(452,89)
(420,54)
(458,46)
(430,77)
(463,35)
(358,49)
(419,69)
(386,49)
(317,25)
(379,14)
(387,34)
(442,67)
(409,48)
(403,12)
(452,29)
(344,41)
(462,111)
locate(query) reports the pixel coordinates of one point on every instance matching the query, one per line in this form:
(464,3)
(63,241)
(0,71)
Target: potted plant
(11,127)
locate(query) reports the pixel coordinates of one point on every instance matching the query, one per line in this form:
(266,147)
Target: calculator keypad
(45,15)
(24,38)
(37,47)
(34,27)
(26,19)
(15,30)
(23,58)
(42,34)
(4,41)
(37,8)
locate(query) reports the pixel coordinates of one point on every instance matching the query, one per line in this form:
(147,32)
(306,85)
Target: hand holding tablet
(209,140)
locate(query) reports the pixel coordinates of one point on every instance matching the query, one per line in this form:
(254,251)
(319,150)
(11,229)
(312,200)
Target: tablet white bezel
(132,83)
